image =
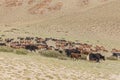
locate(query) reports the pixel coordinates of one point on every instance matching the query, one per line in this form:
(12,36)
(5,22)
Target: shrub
(63,57)
(112,58)
(53,54)
(21,52)
(6,49)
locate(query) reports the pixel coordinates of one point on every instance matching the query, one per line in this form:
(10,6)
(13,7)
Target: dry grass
(11,50)
(112,58)
(6,49)
(21,52)
(53,54)
(34,66)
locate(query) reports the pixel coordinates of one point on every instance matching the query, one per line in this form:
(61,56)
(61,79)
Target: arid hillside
(91,21)
(26,55)
(24,10)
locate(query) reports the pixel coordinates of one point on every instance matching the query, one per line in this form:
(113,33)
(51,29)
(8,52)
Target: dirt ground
(36,67)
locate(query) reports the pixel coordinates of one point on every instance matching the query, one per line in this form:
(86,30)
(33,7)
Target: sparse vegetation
(27,32)
(53,54)
(6,49)
(83,57)
(14,29)
(112,58)
(63,57)
(2,35)
(11,50)
(21,52)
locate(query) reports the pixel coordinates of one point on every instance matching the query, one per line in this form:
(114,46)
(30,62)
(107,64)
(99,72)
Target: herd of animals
(72,49)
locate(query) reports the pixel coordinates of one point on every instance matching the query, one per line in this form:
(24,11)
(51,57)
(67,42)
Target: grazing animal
(75,55)
(60,51)
(9,40)
(31,47)
(97,57)
(2,44)
(69,51)
(116,55)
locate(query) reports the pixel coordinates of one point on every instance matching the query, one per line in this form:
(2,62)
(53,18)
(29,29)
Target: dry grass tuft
(112,58)
(6,49)
(21,52)
(53,54)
